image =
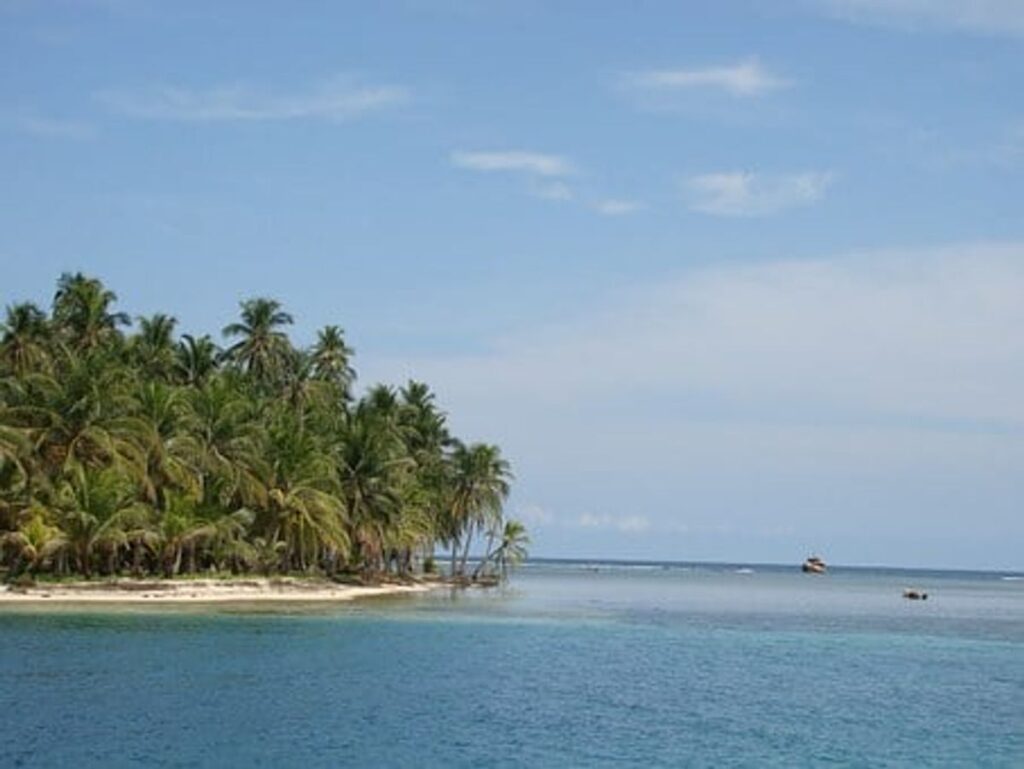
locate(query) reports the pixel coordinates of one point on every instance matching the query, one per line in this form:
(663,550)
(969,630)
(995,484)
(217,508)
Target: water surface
(573,665)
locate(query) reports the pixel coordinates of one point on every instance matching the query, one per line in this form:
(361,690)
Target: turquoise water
(573,665)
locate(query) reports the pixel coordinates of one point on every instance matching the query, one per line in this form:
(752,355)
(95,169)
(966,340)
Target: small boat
(912,594)
(814,565)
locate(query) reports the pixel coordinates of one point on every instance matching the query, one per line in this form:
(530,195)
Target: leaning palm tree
(511,551)
(262,346)
(480,484)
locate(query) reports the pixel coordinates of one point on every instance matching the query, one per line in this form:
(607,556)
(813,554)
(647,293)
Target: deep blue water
(573,665)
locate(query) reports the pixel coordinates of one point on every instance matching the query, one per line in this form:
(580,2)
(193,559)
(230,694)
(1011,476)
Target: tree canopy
(148,453)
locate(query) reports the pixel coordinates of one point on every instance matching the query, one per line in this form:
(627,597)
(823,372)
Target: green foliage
(150,454)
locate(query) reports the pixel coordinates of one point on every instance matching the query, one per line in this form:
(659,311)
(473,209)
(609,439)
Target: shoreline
(201,591)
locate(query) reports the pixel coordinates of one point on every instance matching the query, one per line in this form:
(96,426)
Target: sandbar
(242,590)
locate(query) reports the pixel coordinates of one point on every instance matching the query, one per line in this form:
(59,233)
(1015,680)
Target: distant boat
(912,594)
(814,565)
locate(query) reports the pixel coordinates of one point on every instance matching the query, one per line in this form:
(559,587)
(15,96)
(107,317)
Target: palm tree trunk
(488,553)
(465,549)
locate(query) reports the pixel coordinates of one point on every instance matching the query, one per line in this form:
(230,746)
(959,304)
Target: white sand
(246,590)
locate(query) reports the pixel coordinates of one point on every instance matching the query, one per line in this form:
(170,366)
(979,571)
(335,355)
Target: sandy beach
(247,590)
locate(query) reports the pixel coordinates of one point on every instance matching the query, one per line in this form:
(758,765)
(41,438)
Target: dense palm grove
(139,453)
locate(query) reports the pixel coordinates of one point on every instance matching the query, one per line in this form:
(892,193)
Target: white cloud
(553,191)
(533,163)
(544,172)
(534,515)
(630,524)
(739,193)
(870,391)
(617,207)
(745,78)
(932,333)
(999,17)
(339,99)
(54,128)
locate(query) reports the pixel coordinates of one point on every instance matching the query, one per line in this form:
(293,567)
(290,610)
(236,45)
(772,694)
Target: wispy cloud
(519,161)
(544,173)
(807,391)
(830,330)
(558,191)
(338,99)
(745,78)
(740,193)
(617,207)
(997,17)
(628,524)
(1004,150)
(534,515)
(55,128)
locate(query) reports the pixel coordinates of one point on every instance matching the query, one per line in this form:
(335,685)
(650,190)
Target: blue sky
(730,281)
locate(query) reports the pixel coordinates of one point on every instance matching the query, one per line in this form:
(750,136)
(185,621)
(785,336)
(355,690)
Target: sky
(733,281)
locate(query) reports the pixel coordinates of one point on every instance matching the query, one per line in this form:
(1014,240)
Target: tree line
(146,454)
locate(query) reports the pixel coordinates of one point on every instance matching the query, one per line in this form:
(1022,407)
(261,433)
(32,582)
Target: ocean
(571,665)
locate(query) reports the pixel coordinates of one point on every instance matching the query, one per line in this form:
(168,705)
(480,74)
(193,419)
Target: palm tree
(511,539)
(222,440)
(24,335)
(167,458)
(141,533)
(227,541)
(81,311)
(301,389)
(179,532)
(80,418)
(14,445)
(164,456)
(371,464)
(97,505)
(304,508)
(262,347)
(423,425)
(480,484)
(195,359)
(153,346)
(32,543)
(331,359)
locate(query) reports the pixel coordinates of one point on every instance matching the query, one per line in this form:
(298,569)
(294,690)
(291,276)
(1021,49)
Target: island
(130,462)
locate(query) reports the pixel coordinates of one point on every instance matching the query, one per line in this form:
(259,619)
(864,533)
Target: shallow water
(573,665)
